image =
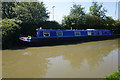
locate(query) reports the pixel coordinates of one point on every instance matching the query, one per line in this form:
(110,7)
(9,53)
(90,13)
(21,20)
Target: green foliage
(76,19)
(31,11)
(7,10)
(50,25)
(66,22)
(96,19)
(114,76)
(91,21)
(29,14)
(116,27)
(117,23)
(77,10)
(97,10)
(28,28)
(10,32)
(109,21)
(25,17)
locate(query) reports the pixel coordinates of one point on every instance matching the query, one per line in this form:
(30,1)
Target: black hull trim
(88,38)
(65,41)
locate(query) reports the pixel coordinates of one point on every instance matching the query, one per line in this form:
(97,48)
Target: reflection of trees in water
(33,62)
(93,53)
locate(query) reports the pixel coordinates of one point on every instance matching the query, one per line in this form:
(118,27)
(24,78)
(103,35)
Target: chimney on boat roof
(90,29)
(40,27)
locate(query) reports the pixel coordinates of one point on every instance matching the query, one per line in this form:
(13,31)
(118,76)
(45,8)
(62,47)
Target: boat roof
(72,30)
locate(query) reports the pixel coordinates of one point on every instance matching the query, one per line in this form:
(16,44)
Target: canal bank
(115,75)
(81,60)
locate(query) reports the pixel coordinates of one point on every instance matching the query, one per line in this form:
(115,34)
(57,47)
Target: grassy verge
(114,76)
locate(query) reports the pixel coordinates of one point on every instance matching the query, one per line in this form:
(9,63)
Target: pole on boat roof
(53,12)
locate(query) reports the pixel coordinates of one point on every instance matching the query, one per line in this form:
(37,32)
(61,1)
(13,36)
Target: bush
(114,76)
(50,25)
(10,32)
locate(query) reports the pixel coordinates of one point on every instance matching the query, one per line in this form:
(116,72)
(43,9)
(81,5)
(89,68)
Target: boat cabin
(70,33)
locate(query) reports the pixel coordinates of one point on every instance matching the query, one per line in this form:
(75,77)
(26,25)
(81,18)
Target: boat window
(60,33)
(77,33)
(46,34)
(89,33)
(105,32)
(100,32)
(95,33)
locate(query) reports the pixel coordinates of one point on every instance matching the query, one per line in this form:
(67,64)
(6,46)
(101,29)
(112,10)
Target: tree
(109,21)
(99,11)
(10,31)
(91,21)
(66,22)
(7,10)
(76,18)
(77,10)
(116,27)
(50,25)
(31,12)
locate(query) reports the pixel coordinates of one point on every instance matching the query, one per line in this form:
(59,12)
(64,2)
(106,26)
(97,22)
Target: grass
(114,76)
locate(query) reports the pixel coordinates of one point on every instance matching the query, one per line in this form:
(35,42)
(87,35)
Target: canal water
(82,60)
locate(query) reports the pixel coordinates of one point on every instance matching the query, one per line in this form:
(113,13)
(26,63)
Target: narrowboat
(47,35)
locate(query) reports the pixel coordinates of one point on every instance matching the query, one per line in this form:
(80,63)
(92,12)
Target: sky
(62,7)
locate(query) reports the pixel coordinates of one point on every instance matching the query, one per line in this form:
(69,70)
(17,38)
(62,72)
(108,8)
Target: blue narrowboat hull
(69,35)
